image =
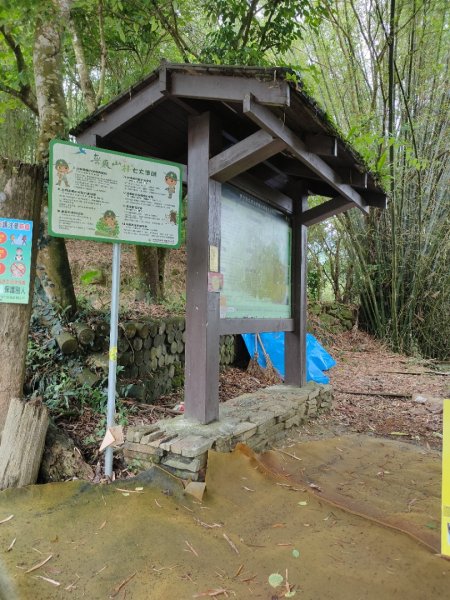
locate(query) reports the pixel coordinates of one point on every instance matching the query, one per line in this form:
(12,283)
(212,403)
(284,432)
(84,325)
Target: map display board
(108,196)
(15,260)
(254,258)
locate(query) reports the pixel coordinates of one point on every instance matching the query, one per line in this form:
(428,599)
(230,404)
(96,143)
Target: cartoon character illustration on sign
(19,254)
(107,226)
(62,170)
(173,217)
(19,241)
(171,181)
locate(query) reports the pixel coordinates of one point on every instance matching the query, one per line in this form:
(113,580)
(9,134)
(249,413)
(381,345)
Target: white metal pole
(112,373)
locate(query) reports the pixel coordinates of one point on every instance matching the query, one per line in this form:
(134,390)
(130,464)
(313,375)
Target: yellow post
(445,531)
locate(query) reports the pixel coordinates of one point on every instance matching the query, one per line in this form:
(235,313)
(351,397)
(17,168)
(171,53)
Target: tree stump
(61,459)
(22,443)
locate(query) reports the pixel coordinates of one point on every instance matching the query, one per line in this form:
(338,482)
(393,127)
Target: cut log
(142,330)
(67,343)
(123,344)
(85,335)
(102,327)
(99,361)
(137,343)
(23,441)
(129,329)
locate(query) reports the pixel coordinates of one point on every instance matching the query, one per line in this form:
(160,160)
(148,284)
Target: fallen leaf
(122,584)
(40,564)
(191,548)
(7,519)
(233,546)
(275,580)
(52,581)
(11,546)
(295,553)
(303,503)
(212,593)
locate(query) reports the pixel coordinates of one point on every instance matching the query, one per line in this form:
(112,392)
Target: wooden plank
(233,326)
(254,186)
(321,144)
(319,213)
(347,175)
(125,113)
(295,341)
(227,88)
(265,119)
(202,307)
(244,155)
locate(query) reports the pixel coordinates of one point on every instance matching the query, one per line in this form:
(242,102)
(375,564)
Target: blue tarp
(317,358)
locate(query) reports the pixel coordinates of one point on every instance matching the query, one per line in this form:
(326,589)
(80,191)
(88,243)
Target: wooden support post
(295,341)
(202,307)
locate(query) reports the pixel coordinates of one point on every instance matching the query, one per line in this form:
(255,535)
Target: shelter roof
(250,103)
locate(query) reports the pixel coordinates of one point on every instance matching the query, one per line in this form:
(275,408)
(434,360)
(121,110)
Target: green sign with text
(107,196)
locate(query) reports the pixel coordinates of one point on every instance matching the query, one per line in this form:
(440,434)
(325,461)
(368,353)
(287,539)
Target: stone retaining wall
(258,419)
(150,354)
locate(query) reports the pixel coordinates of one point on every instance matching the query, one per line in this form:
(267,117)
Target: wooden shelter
(254,128)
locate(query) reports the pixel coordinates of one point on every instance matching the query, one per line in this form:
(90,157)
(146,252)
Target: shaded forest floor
(375,391)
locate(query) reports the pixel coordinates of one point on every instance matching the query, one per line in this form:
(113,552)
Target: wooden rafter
(319,213)
(244,155)
(265,119)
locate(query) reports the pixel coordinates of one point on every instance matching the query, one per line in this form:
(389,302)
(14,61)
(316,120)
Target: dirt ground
(344,518)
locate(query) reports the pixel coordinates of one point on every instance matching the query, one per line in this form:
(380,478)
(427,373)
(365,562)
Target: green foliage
(401,256)
(53,378)
(244,33)
(175,304)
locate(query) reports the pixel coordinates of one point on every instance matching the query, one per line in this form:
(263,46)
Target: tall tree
(383,74)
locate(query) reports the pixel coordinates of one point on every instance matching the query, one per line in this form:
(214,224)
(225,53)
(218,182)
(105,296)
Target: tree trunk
(151,262)
(22,444)
(21,188)
(53,262)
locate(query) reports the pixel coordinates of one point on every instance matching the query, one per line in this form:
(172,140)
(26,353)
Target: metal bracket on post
(112,372)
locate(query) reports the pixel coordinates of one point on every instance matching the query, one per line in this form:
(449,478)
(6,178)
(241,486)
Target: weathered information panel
(254,258)
(15,260)
(108,196)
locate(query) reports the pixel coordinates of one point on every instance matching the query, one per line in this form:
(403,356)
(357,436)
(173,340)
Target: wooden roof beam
(244,155)
(348,175)
(110,122)
(319,213)
(226,88)
(265,119)
(321,144)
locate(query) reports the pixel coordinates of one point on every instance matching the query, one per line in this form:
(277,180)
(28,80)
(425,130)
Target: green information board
(108,196)
(15,260)
(254,258)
